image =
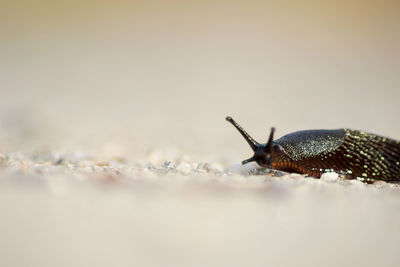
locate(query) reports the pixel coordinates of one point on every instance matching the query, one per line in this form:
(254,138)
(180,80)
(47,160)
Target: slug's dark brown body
(354,154)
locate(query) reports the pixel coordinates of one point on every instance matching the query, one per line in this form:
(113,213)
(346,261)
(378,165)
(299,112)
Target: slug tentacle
(354,154)
(253,144)
(248,160)
(261,152)
(268,146)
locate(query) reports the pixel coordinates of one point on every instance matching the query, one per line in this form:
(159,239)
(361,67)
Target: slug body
(354,154)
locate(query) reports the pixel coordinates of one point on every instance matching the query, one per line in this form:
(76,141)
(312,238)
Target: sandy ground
(114,150)
(60,210)
(73,210)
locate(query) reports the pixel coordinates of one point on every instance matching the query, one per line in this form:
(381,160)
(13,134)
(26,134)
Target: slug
(350,153)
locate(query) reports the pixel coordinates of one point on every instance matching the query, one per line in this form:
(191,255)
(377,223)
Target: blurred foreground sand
(66,210)
(114,150)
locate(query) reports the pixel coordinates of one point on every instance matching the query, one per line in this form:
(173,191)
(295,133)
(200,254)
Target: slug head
(262,152)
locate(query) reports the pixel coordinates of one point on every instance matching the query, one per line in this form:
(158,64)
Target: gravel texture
(74,210)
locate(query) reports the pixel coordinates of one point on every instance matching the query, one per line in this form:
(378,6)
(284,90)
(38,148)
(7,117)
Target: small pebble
(330,177)
(184,168)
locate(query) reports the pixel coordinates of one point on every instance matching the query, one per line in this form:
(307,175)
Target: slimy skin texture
(351,153)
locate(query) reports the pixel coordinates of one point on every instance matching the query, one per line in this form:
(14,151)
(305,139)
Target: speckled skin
(354,154)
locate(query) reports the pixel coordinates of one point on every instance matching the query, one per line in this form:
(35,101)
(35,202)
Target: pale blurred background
(152,81)
(125,77)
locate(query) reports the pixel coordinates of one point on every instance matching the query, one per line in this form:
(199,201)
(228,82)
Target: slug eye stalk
(253,143)
(268,146)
